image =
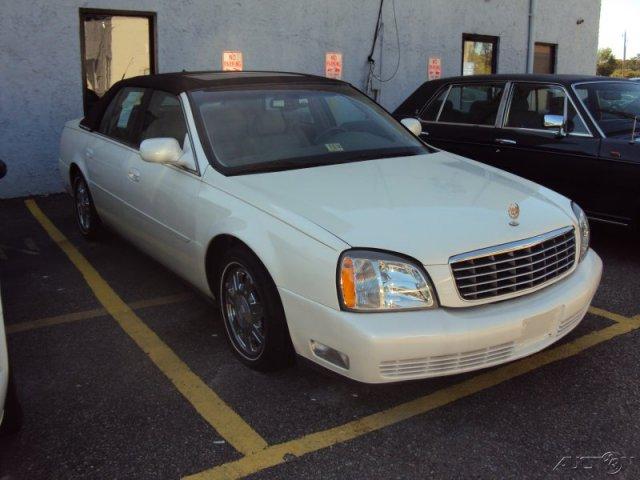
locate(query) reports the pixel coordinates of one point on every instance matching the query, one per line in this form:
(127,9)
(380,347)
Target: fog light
(329,354)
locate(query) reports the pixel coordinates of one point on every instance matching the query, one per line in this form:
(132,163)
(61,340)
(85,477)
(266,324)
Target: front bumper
(388,347)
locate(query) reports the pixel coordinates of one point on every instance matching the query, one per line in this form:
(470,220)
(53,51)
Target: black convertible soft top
(178,82)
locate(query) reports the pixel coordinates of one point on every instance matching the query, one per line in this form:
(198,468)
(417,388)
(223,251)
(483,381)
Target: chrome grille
(514,267)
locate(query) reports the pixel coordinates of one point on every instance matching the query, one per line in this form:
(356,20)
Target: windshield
(613,105)
(275,129)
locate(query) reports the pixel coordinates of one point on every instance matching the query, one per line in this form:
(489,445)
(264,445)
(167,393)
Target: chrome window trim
(432,122)
(193,149)
(567,96)
(510,246)
(443,89)
(593,120)
(504,103)
(444,101)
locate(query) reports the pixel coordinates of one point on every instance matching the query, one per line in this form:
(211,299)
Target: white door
(164,195)
(109,154)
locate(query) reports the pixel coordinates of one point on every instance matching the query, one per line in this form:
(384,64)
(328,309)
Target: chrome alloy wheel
(83,206)
(243,310)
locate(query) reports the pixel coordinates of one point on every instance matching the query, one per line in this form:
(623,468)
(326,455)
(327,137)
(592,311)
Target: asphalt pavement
(134,379)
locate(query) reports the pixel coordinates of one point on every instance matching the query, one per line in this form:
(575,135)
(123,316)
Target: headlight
(585,231)
(377,281)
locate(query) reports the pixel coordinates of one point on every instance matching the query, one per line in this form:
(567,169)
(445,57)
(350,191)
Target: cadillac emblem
(514,213)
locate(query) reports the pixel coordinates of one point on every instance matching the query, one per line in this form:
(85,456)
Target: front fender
(296,260)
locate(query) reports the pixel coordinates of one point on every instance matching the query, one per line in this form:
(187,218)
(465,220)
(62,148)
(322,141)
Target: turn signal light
(347,283)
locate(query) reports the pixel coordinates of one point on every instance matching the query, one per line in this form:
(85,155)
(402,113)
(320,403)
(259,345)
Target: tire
(84,209)
(12,419)
(252,312)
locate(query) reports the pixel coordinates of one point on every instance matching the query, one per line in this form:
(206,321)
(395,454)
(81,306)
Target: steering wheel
(322,136)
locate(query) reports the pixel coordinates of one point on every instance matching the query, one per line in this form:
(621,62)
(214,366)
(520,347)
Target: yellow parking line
(208,404)
(610,315)
(94,313)
(275,454)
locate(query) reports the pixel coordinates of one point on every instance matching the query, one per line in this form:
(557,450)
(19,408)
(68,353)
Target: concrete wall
(40,80)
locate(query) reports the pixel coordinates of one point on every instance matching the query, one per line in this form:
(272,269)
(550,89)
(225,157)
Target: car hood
(429,207)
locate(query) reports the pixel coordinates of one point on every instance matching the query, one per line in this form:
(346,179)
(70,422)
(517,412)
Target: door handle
(88,153)
(506,141)
(134,175)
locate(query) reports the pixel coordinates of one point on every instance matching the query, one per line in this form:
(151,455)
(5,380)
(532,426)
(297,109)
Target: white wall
(40,81)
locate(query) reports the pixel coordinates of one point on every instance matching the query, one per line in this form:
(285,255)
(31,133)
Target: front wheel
(84,209)
(252,312)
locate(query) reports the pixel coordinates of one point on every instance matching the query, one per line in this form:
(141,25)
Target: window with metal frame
(163,118)
(479,54)
(530,102)
(469,103)
(123,116)
(114,45)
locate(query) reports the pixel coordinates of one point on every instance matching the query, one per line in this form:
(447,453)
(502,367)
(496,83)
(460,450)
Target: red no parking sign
(434,68)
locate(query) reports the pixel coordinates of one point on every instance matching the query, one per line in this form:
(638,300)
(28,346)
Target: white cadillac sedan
(325,228)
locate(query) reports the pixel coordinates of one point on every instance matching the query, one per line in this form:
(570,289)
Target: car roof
(533,77)
(424,92)
(179,82)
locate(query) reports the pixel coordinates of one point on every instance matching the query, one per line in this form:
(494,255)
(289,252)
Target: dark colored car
(578,135)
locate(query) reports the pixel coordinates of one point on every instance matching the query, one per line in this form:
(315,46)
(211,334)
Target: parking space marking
(207,403)
(609,315)
(280,453)
(94,313)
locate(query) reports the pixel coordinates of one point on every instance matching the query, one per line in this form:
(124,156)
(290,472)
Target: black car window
(614,105)
(531,102)
(475,104)
(122,117)
(164,118)
(575,124)
(430,113)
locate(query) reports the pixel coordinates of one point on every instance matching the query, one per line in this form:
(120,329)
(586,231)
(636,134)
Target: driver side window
(531,102)
(164,118)
(122,117)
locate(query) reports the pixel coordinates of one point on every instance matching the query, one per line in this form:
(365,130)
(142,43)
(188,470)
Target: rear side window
(474,104)
(123,115)
(164,118)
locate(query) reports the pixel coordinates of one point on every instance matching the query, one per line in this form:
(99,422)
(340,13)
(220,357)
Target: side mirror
(555,122)
(161,150)
(413,125)
(3,169)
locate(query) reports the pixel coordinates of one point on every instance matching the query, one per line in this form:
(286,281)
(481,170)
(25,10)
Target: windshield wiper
(375,155)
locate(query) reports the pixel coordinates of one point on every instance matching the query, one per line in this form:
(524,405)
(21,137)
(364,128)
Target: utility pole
(624,54)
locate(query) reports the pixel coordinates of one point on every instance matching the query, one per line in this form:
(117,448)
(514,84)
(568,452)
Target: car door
(563,159)
(462,117)
(164,196)
(615,105)
(108,154)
